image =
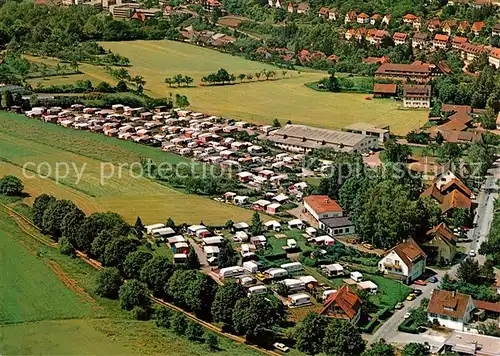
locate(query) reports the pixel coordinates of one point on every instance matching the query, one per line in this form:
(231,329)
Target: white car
(407,315)
(281,347)
(472,253)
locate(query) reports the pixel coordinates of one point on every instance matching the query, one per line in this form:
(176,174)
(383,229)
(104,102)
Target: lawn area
(40,315)
(124,193)
(259,101)
(390,293)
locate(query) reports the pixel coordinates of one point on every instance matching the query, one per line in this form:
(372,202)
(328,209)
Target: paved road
(484,211)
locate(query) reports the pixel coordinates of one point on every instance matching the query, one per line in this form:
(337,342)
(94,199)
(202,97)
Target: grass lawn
(124,193)
(259,101)
(40,315)
(390,293)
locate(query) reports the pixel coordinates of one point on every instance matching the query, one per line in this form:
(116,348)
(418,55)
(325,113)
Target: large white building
(417,96)
(450,309)
(406,261)
(301,138)
(327,214)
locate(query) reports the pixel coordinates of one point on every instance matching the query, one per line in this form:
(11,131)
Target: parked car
(399,306)
(472,253)
(417,292)
(260,276)
(280,346)
(410,296)
(433,279)
(368,246)
(420,282)
(407,315)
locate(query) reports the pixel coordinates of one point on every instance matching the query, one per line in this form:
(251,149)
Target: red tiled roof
(455,200)
(471,48)
(495,53)
(400,36)
(403,68)
(322,204)
(385,88)
(459,40)
(443,232)
(477,26)
(409,252)
(363,15)
(324,11)
(451,304)
(440,37)
(333,58)
(460,185)
(409,17)
(488,306)
(346,300)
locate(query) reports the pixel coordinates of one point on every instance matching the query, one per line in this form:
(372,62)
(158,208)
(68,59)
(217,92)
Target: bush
(179,324)
(163,317)
(194,331)
(65,247)
(109,282)
(134,294)
(140,313)
(407,326)
(11,185)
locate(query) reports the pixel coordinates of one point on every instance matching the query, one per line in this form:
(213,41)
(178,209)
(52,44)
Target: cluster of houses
(206,37)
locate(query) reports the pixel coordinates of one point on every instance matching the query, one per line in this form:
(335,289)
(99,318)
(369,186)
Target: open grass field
(25,140)
(40,315)
(259,101)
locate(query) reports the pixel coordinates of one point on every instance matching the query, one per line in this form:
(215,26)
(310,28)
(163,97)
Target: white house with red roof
(327,214)
(405,261)
(450,309)
(494,58)
(363,18)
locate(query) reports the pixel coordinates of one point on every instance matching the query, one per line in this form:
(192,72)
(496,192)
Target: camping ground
(286,98)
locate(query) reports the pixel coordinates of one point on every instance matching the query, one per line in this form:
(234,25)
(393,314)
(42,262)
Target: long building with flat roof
(302,138)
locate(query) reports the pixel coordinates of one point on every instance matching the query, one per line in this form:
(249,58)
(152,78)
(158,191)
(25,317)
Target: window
(396,262)
(454,319)
(346,229)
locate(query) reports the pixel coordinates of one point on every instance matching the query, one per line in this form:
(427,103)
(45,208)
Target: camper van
(292,267)
(275,273)
(297,300)
(356,277)
(294,284)
(229,272)
(257,290)
(327,293)
(251,266)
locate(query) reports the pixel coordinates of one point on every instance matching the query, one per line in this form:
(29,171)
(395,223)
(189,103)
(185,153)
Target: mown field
(259,101)
(45,145)
(40,315)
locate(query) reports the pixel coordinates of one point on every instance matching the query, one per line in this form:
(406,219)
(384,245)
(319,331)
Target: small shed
(273,208)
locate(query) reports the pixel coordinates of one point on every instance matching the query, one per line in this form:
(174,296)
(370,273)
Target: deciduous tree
(133,294)
(225,299)
(109,282)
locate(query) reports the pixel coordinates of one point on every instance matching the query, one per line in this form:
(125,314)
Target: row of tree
(179,79)
(222,76)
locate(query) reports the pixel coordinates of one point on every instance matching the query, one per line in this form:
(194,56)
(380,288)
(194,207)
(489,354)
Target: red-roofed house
(327,214)
(363,18)
(399,38)
(441,244)
(303,8)
(349,33)
(433,24)
(387,19)
(469,51)
(333,58)
(351,16)
(441,41)
(448,26)
(323,12)
(450,309)
(405,261)
(458,41)
(378,37)
(463,26)
(477,27)
(292,7)
(494,58)
(384,90)
(375,18)
(343,304)
(409,18)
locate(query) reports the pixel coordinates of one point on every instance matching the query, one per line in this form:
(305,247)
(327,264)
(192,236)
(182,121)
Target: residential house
(405,261)
(448,26)
(327,214)
(363,19)
(324,12)
(409,19)
(449,199)
(417,24)
(379,36)
(275,3)
(375,19)
(477,4)
(440,244)
(360,33)
(386,19)
(417,96)
(333,58)
(450,309)
(434,24)
(350,17)
(292,7)
(349,33)
(441,41)
(376,60)
(399,38)
(343,304)
(463,26)
(333,14)
(420,40)
(211,5)
(384,90)
(469,51)
(477,27)
(458,41)
(495,31)
(494,58)
(303,8)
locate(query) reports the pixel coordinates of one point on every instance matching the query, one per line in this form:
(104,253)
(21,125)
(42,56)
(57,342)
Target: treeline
(118,246)
(491,247)
(222,76)
(337,84)
(82,86)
